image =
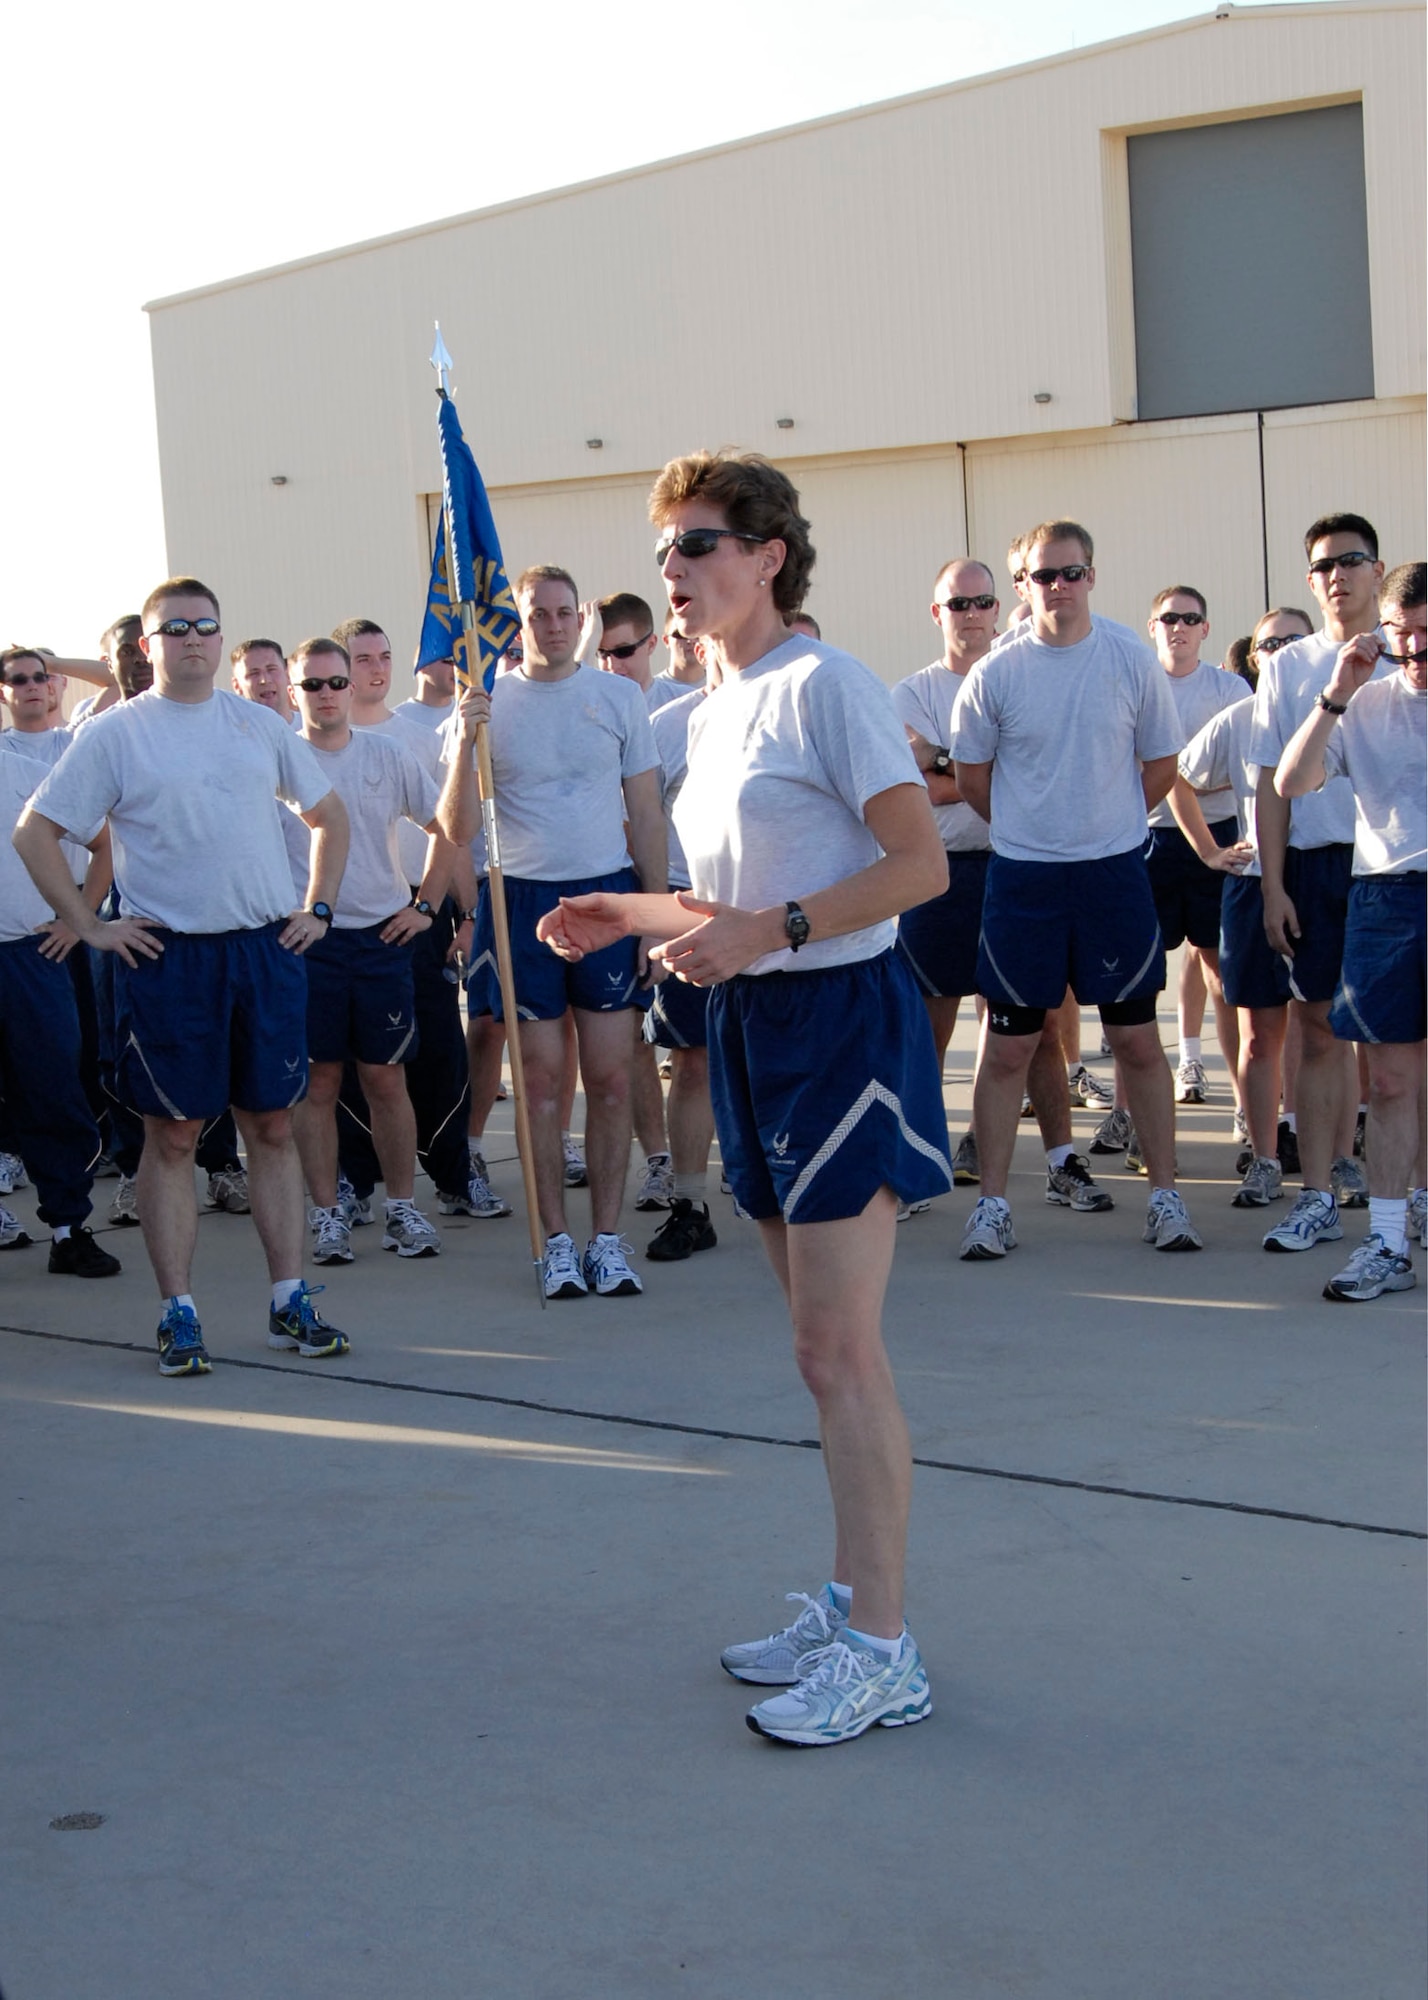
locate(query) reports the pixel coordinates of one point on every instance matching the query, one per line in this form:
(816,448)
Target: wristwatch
(1333,707)
(323,912)
(942,763)
(795,926)
(421,906)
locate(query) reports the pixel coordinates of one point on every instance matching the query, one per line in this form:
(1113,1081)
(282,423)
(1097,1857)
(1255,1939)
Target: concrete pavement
(399,1677)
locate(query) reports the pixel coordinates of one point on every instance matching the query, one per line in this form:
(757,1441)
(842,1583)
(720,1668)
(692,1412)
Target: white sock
(182,1299)
(62,1233)
(842,1596)
(656,1159)
(1389,1219)
(1291,1119)
(692,1187)
(1156,1193)
(1190,1048)
(285,1290)
(887,1649)
(1057,1156)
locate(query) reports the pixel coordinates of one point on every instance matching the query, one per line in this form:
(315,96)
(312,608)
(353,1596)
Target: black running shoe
(302,1326)
(79,1256)
(181,1348)
(1287,1148)
(685,1230)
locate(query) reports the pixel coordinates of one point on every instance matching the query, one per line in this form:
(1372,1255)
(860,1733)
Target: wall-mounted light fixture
(278,479)
(594,444)
(784,423)
(1042,396)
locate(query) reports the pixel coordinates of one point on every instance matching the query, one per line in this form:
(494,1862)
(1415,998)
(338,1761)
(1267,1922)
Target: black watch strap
(795,926)
(323,913)
(942,763)
(421,906)
(1333,707)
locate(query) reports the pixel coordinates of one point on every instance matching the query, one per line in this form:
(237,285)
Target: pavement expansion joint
(742,1437)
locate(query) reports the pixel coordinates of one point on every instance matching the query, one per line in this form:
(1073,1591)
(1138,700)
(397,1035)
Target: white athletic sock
(1190,1048)
(182,1299)
(1057,1156)
(1389,1219)
(62,1232)
(1291,1119)
(285,1290)
(887,1649)
(842,1596)
(1322,1194)
(692,1187)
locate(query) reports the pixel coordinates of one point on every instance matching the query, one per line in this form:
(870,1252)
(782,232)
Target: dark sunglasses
(696,542)
(1179,617)
(624,652)
(1326,565)
(26,680)
(1072,573)
(312,685)
(1272,641)
(178,628)
(965,603)
(1403,659)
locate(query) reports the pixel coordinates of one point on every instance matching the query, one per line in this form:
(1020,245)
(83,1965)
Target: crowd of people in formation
(237,924)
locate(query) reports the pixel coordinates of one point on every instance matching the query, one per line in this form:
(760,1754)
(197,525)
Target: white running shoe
(331,1238)
(560,1272)
(1070,1186)
(228,1190)
(846,1688)
(606,1267)
(989,1231)
(1167,1224)
(124,1209)
(356,1209)
(1190,1082)
(12,1173)
(1262,1184)
(1313,1219)
(1089,1090)
(1372,1269)
(909,1208)
(575,1174)
(1349,1183)
(13,1234)
(480,1197)
(656,1188)
(778,1660)
(1113,1134)
(1418,1215)
(408,1232)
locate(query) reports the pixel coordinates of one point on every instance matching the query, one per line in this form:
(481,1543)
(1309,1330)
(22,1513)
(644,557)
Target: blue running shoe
(846,1688)
(181,1348)
(302,1326)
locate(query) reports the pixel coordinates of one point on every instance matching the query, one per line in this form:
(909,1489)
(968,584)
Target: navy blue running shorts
(361,1003)
(1089,925)
(1381,996)
(939,939)
(1251,974)
(603,983)
(678,1016)
(825,1089)
(1187,893)
(1316,880)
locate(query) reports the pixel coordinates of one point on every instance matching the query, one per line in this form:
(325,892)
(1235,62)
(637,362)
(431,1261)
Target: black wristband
(1333,707)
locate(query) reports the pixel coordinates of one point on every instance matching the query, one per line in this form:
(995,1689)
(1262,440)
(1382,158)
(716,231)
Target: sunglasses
(26,680)
(1179,618)
(1072,573)
(965,603)
(1272,642)
(1405,659)
(624,652)
(178,628)
(696,542)
(312,685)
(1326,565)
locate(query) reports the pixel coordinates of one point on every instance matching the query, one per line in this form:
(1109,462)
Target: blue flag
(479,572)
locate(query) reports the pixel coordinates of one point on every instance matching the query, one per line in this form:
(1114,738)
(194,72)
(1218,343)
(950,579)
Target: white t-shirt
(560,751)
(1066,729)
(1216,761)
(190,790)
(1098,624)
(1290,682)
(421,738)
(1197,696)
(670,724)
(46,747)
(1381,747)
(665,688)
(783,757)
(924,702)
(22,908)
(380,783)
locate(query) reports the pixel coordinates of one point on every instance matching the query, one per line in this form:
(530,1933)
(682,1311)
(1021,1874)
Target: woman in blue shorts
(807,830)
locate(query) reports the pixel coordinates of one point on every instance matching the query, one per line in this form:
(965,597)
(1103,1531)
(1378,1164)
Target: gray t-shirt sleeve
(975,730)
(300,781)
(82,788)
(1158,730)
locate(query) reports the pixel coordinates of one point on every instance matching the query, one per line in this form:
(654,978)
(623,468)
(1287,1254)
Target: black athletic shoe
(685,1230)
(79,1256)
(1288,1148)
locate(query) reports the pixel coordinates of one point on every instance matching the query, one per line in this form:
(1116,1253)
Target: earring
(763,583)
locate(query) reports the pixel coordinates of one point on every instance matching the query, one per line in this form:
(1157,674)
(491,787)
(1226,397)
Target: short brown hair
(246,646)
(1016,559)
(1058,531)
(543,573)
(178,586)
(756,499)
(356,628)
(624,608)
(320,649)
(1281,611)
(1403,588)
(12,654)
(1179,590)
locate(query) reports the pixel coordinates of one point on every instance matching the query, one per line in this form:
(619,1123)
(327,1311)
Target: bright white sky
(159,146)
